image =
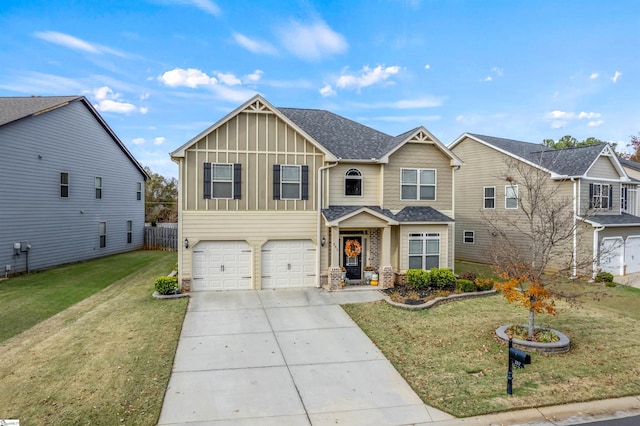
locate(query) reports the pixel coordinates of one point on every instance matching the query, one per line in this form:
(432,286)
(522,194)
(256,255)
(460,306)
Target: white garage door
(221,265)
(611,255)
(289,263)
(632,254)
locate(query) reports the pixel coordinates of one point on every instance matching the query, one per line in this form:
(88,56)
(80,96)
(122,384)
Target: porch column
(335,273)
(386,275)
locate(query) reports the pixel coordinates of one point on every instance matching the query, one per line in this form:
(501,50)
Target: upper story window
(600,196)
(64,185)
(353,183)
(290,182)
(98,186)
(489,197)
(139,191)
(222,180)
(418,184)
(511,197)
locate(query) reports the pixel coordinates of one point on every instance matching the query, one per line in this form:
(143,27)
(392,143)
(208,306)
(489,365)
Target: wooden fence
(160,238)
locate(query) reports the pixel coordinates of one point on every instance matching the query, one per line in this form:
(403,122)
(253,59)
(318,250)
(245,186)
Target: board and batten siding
(63,230)
(419,156)
(256,228)
(257,140)
(371,194)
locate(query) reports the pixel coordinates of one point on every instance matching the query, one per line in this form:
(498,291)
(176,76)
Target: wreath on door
(352,248)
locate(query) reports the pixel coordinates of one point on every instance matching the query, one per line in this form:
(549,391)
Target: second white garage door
(632,254)
(221,265)
(288,264)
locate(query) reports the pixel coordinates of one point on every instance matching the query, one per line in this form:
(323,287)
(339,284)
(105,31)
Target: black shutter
(276,181)
(610,197)
(590,195)
(207,180)
(237,181)
(305,183)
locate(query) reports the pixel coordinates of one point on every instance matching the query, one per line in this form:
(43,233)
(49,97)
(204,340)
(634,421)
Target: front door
(352,257)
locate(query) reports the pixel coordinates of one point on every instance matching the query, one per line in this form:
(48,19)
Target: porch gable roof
(410,214)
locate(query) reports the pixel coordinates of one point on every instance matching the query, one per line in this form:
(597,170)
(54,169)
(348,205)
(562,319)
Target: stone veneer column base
(335,277)
(386,277)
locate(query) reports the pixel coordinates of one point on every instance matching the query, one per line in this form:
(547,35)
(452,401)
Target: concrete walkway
(281,357)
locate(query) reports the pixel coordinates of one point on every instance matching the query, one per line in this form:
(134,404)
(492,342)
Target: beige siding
(405,230)
(244,226)
(257,140)
(584,198)
(603,168)
(424,156)
(362,220)
(370,185)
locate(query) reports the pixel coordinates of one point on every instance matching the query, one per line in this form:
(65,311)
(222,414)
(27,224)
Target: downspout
(596,249)
(319,220)
(575,229)
(453,210)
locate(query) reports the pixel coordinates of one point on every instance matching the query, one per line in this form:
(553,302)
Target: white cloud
(254,46)
(423,102)
(144,110)
(595,123)
(497,71)
(108,101)
(188,78)
(460,118)
(593,76)
(616,76)
(560,119)
(159,140)
(137,141)
(404,118)
(144,96)
(427,67)
(255,76)
(327,90)
(366,77)
(228,79)
(488,78)
(312,42)
(75,43)
(205,5)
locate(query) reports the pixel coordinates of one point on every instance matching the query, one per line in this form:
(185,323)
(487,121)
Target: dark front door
(352,257)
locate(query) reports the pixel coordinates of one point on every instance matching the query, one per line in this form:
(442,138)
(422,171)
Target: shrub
(604,277)
(417,279)
(442,277)
(465,286)
(468,276)
(166,285)
(610,284)
(484,284)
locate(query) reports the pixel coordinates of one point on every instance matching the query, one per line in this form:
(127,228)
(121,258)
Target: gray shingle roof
(15,108)
(566,162)
(629,163)
(623,219)
(344,138)
(407,214)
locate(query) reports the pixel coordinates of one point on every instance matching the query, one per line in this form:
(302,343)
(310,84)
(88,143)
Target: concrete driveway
(284,357)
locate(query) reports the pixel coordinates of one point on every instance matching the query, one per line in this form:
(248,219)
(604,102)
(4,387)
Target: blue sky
(161,71)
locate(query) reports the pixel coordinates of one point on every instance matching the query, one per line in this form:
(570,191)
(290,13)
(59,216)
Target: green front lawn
(105,359)
(451,358)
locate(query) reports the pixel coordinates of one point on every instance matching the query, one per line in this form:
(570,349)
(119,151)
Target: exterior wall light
(323,241)
(186,243)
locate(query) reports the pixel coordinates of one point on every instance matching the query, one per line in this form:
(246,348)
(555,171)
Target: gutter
(319,219)
(596,257)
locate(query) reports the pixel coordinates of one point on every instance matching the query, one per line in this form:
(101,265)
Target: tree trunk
(531,324)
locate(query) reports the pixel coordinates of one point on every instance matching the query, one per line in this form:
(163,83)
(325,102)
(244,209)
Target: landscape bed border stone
(434,302)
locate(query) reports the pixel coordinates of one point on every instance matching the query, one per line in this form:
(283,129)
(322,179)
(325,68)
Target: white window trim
(67,185)
(299,182)
(129,231)
(485,198)
(517,197)
(417,184)
(96,187)
(473,237)
(354,177)
(139,191)
(100,234)
(213,180)
(424,237)
(601,197)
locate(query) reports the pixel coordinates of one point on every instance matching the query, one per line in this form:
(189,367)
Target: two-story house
(69,188)
(281,197)
(603,200)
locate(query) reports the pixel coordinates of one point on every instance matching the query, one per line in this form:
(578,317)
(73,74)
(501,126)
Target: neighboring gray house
(69,189)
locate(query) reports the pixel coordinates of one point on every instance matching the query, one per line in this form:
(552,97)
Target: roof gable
(423,136)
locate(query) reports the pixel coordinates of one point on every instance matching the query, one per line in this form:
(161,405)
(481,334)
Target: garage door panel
(221,265)
(632,254)
(612,255)
(287,264)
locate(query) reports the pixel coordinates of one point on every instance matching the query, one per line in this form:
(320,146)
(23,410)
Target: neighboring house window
(600,196)
(290,182)
(222,180)
(139,191)
(98,186)
(64,185)
(418,184)
(129,231)
(102,231)
(511,197)
(489,197)
(469,237)
(624,197)
(353,183)
(424,250)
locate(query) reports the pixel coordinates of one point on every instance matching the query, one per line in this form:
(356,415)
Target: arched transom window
(353,182)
